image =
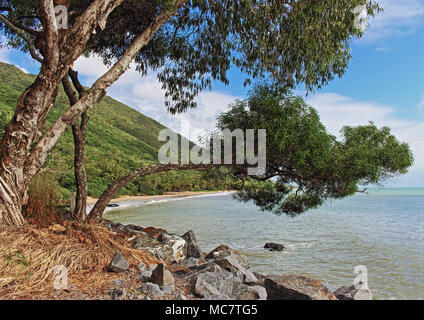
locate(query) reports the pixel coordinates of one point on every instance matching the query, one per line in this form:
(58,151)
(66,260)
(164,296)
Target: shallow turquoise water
(383,230)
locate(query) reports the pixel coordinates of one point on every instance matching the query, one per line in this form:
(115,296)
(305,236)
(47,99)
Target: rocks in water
(274,246)
(351,293)
(224,251)
(192,246)
(151,288)
(292,287)
(213,283)
(118,263)
(162,276)
(112,205)
(177,244)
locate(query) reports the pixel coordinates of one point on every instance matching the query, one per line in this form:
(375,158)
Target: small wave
(300,245)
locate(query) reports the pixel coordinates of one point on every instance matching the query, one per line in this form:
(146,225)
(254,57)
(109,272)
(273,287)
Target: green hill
(119,139)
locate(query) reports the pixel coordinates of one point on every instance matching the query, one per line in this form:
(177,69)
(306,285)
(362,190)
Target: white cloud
(4,55)
(337,110)
(398,18)
(146,95)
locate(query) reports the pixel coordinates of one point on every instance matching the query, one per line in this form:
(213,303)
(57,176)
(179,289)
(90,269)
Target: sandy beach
(92,201)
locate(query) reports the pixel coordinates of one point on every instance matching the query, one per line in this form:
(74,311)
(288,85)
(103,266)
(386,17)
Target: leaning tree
(189,43)
(305,165)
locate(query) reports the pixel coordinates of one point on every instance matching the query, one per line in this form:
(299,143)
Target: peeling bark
(19,161)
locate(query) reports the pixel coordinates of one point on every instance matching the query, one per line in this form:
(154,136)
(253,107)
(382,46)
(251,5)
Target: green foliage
(308,165)
(119,139)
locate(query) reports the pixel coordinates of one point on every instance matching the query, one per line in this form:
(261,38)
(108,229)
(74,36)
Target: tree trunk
(79,134)
(101,204)
(20,160)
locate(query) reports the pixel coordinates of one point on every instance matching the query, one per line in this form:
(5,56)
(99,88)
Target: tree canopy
(305,164)
(291,42)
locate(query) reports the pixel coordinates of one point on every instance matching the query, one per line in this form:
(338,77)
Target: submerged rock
(118,263)
(274,246)
(292,287)
(351,293)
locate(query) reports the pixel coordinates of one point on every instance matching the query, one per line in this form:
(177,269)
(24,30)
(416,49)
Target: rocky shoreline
(185,272)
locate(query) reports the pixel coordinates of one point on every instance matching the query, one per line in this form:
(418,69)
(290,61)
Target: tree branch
(31,49)
(104,199)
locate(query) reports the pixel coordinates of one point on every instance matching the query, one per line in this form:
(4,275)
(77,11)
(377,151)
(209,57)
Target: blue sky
(384,83)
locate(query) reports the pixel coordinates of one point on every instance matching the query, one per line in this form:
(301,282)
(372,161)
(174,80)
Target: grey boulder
(118,263)
(293,287)
(351,293)
(193,248)
(162,276)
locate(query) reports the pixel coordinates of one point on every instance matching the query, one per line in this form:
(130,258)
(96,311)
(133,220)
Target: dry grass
(29,255)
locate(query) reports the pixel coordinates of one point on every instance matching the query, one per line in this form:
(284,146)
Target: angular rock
(191,271)
(158,249)
(231,263)
(168,289)
(118,294)
(118,263)
(151,288)
(274,246)
(351,293)
(224,251)
(193,248)
(259,292)
(146,272)
(292,287)
(242,292)
(177,244)
(207,284)
(191,262)
(162,276)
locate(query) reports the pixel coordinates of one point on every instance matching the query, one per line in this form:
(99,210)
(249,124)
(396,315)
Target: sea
(377,236)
